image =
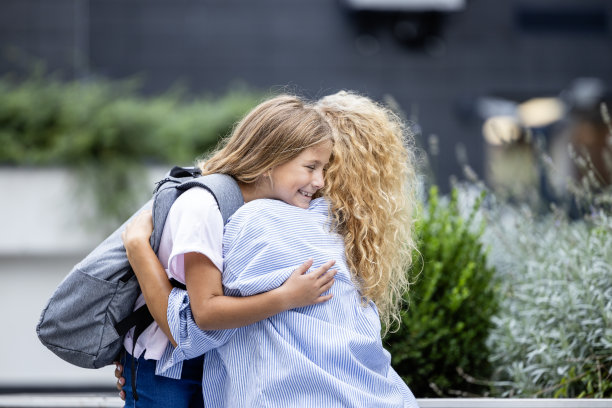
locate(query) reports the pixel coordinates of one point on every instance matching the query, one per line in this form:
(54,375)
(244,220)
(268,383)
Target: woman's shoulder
(319,204)
(278,208)
(266,212)
(262,210)
(267,205)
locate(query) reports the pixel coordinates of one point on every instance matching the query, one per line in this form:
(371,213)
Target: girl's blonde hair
(370,183)
(274,132)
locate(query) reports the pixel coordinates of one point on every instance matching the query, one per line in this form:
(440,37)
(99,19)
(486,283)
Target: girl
(329,354)
(271,135)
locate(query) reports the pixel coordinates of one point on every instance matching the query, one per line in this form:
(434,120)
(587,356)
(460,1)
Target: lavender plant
(553,334)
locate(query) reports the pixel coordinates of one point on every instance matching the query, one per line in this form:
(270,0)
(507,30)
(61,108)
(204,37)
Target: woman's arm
(211,309)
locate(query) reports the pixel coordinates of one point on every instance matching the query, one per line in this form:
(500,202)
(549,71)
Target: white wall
(43,232)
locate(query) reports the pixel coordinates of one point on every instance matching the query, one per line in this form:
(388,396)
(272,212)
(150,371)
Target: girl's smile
(296,181)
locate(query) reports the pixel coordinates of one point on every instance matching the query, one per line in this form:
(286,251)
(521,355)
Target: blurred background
(97,96)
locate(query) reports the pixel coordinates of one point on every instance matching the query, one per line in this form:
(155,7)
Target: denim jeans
(154,391)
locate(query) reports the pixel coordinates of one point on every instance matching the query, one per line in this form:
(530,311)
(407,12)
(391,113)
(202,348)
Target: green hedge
(108,131)
(441,341)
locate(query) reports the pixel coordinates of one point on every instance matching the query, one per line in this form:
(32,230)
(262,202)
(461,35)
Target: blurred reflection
(412,23)
(555,147)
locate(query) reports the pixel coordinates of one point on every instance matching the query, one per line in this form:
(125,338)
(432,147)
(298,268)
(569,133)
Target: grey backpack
(89,313)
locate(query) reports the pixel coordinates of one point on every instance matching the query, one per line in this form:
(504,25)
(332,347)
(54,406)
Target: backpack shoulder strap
(223,187)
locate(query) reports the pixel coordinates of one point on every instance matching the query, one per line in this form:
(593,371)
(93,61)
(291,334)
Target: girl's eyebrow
(318,162)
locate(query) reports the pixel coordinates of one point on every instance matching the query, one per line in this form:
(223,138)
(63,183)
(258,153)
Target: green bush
(107,131)
(441,340)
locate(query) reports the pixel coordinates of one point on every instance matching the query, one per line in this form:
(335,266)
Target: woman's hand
(138,231)
(120,379)
(304,289)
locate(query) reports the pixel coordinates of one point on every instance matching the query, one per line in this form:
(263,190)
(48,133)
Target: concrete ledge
(512,403)
(112,400)
(63,401)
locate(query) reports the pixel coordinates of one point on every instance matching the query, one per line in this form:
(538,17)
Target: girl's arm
(211,309)
(214,311)
(149,271)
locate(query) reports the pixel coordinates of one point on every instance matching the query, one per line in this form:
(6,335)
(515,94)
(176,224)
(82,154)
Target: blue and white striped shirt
(325,355)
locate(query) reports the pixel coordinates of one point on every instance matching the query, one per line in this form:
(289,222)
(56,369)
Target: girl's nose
(318,182)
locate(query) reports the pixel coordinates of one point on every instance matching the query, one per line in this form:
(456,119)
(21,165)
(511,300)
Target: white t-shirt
(194,224)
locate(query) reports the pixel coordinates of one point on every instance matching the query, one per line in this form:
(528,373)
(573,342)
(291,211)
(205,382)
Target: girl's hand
(304,289)
(138,231)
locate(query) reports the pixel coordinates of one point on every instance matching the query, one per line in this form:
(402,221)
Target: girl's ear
(267,177)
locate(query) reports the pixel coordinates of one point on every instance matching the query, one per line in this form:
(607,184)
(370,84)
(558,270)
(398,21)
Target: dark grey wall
(314,46)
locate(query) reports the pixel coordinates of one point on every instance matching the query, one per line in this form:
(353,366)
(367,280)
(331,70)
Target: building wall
(499,48)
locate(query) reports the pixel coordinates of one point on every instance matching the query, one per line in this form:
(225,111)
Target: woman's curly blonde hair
(370,183)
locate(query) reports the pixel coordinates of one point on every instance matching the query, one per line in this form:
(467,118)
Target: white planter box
(42,212)
(111,401)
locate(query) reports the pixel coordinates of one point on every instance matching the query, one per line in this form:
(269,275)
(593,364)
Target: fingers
(118,370)
(119,375)
(322,270)
(143,218)
(146,215)
(300,270)
(322,274)
(120,380)
(328,276)
(327,286)
(138,229)
(327,281)
(322,299)
(120,383)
